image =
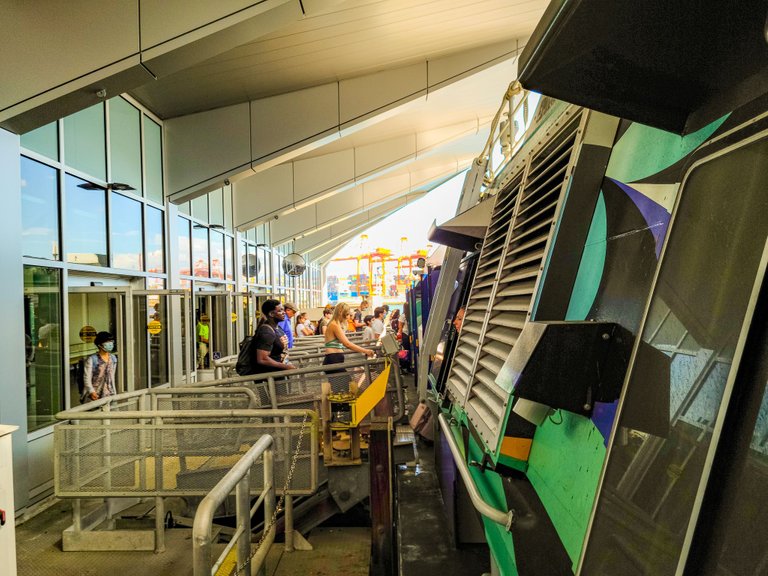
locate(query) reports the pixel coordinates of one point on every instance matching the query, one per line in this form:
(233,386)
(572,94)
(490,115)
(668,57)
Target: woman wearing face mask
(99,370)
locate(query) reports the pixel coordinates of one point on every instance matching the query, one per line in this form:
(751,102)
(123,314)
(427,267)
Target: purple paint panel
(603,416)
(655,215)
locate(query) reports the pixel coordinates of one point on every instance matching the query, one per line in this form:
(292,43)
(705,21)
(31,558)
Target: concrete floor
(337,551)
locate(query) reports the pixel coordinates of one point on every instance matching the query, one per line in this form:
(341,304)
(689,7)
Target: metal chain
(236,571)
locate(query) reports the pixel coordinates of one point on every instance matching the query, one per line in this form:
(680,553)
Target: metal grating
(506,280)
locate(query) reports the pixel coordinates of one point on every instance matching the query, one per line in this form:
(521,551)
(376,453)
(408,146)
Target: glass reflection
(217,255)
(43,352)
(699,305)
(229,247)
(86,223)
(126,233)
(154,240)
(200,262)
(39,210)
(185,247)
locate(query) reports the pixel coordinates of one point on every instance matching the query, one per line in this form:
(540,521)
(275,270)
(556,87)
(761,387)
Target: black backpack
(246,358)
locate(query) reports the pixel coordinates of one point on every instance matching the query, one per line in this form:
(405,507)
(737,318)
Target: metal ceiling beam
(347,204)
(104,60)
(251,137)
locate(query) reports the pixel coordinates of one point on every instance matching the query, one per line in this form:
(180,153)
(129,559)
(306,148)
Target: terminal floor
(425,546)
(337,551)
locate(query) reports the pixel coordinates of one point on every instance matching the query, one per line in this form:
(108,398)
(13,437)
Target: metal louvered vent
(506,280)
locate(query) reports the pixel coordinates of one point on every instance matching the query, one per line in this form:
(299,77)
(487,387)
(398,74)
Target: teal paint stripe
(564,469)
(643,151)
(591,267)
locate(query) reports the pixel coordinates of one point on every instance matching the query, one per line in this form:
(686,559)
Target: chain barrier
(237,571)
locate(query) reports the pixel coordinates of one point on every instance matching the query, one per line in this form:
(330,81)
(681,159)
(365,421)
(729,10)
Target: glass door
(162,337)
(213,326)
(92,310)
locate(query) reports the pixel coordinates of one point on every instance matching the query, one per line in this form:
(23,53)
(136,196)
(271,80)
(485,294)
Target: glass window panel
(155,283)
(229,249)
(155,247)
(84,141)
(126,233)
(185,247)
(153,160)
(264,268)
(250,234)
(228,209)
(200,263)
(674,396)
(217,255)
(42,336)
(86,223)
(39,210)
(244,261)
(125,143)
(216,207)
(200,208)
(44,140)
(185,209)
(253,264)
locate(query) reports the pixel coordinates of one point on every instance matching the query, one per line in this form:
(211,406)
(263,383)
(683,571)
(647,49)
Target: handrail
(286,373)
(270,377)
(492,513)
(238,477)
(78,411)
(210,414)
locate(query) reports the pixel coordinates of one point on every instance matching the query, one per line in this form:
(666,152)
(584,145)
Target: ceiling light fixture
(110,186)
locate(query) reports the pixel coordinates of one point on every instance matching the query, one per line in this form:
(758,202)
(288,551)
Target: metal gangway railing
(238,478)
(304,358)
(302,387)
(170,442)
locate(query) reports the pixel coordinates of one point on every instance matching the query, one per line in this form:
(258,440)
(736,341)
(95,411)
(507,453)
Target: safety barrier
(171,442)
(237,478)
(302,387)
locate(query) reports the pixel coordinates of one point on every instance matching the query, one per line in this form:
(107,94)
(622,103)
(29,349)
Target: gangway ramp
(132,446)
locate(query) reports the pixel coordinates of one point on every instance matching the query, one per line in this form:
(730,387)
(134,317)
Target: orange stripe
(518,448)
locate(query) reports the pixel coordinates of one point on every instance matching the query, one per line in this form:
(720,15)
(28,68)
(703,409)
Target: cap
(290,306)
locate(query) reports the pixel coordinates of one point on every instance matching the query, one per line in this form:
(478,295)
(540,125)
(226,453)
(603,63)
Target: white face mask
(108,346)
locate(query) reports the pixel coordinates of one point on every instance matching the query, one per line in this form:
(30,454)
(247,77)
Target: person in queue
(100,368)
(271,342)
(368,330)
(303,326)
(336,339)
(285,325)
(360,313)
(325,320)
(378,322)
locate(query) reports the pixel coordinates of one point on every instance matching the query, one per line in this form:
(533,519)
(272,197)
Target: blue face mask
(108,346)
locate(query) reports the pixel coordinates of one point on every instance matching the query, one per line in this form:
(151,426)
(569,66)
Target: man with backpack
(265,350)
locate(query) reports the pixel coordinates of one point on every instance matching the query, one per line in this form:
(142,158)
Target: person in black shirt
(271,341)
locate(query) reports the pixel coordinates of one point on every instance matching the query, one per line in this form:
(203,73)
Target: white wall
(13,400)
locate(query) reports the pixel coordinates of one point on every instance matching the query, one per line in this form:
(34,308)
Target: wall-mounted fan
(294,264)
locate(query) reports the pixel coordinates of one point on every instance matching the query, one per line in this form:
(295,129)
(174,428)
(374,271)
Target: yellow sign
(234,316)
(88,334)
(154,327)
